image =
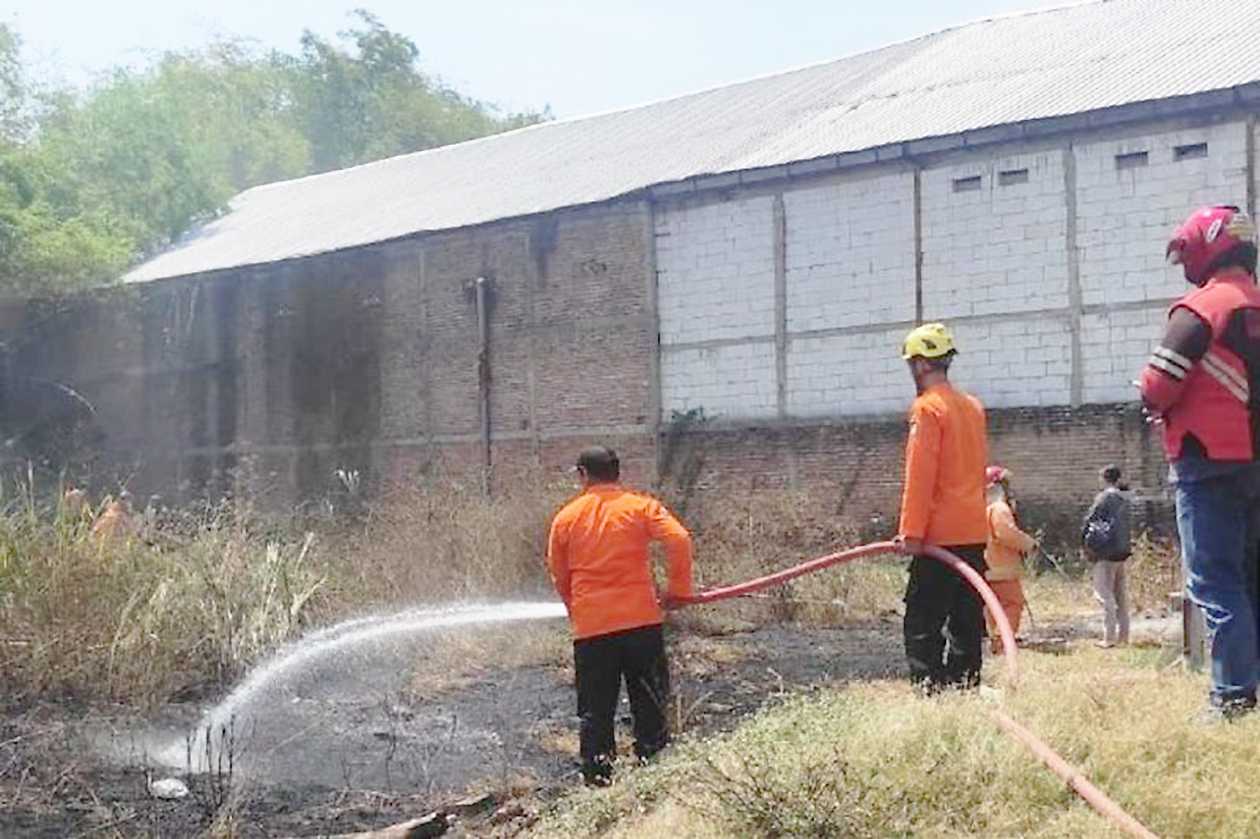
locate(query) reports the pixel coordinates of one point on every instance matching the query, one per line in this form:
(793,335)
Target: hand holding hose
(907,546)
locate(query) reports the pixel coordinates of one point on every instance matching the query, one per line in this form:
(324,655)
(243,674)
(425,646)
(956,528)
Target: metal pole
(483,381)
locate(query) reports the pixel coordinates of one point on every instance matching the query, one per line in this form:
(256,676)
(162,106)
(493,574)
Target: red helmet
(996,475)
(1209,234)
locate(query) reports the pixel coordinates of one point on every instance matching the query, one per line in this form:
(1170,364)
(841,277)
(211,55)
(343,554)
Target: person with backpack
(1106,535)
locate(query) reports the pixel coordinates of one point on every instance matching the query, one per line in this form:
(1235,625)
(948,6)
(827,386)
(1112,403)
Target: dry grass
(208,592)
(139,621)
(199,595)
(1154,572)
(746,536)
(876,761)
(443,541)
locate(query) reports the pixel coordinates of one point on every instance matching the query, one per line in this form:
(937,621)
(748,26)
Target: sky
(576,57)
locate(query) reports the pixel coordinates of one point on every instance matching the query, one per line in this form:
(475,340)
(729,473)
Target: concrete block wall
(995,236)
(364,359)
(715,268)
(1047,260)
(850,374)
(1016,362)
(1114,348)
(846,260)
(735,380)
(715,265)
(1132,192)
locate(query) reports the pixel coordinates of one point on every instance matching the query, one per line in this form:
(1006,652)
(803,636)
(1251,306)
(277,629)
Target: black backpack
(1099,536)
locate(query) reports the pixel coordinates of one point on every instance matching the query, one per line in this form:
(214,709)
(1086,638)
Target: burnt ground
(351,751)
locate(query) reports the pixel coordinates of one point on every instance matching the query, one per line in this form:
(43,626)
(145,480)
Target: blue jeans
(1216,518)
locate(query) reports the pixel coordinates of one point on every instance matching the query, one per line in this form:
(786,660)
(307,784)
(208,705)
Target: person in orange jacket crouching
(942,504)
(1004,554)
(598,558)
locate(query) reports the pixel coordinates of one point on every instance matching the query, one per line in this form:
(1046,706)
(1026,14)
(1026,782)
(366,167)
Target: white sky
(579,57)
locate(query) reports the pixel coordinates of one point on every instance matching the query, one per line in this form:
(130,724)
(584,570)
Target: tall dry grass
(443,541)
(144,617)
(742,536)
(204,593)
(1153,573)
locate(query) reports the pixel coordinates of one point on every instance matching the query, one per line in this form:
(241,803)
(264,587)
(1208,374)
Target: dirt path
(347,750)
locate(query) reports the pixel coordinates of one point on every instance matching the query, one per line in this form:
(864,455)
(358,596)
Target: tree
(366,98)
(13,90)
(92,181)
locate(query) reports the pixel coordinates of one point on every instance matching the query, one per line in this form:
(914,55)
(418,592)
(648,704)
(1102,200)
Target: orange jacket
(598,559)
(1007,544)
(943,500)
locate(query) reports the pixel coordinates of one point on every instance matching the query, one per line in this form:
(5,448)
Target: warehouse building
(722,278)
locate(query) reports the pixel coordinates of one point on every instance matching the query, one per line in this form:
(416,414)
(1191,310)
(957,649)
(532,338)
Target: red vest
(1215,405)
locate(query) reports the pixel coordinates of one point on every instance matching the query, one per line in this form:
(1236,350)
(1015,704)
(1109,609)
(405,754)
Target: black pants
(944,624)
(638,657)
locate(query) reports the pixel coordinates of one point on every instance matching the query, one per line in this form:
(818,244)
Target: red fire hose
(1070,775)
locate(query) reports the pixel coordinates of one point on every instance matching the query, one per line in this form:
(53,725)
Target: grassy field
(876,761)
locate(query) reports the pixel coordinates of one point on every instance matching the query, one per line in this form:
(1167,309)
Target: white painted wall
(1114,347)
(995,266)
(1015,363)
(847,375)
(847,261)
(1125,216)
(1000,248)
(734,381)
(716,271)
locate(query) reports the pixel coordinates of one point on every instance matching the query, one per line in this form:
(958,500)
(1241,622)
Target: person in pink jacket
(1004,554)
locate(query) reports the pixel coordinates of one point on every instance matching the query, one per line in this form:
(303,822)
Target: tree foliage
(93,180)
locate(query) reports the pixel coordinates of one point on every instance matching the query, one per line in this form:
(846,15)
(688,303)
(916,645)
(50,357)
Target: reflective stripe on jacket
(1204,393)
(598,558)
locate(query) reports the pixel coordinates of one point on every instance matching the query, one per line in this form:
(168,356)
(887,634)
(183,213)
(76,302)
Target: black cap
(600,463)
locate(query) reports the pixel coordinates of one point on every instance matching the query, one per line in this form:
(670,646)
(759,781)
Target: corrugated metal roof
(995,72)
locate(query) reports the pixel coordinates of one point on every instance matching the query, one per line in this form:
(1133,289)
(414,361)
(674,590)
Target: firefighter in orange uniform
(598,558)
(943,504)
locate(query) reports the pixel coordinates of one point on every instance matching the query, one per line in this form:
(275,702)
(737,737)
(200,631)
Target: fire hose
(1070,775)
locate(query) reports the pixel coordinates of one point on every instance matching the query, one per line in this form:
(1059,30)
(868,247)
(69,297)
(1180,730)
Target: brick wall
(361,360)
(854,468)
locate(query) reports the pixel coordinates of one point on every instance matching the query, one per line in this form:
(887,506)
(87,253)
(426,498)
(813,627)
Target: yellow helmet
(931,340)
